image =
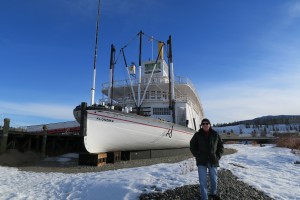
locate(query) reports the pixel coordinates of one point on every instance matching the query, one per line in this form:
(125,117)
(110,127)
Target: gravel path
(229,188)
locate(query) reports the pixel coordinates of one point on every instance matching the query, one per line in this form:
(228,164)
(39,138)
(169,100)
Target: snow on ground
(268,168)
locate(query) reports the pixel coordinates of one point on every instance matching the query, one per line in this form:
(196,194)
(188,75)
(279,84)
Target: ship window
(150,66)
(164,95)
(161,111)
(152,96)
(158,94)
(147,95)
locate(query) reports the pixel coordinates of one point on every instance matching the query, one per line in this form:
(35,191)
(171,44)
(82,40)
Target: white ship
(151,109)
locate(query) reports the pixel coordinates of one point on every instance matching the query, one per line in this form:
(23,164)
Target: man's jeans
(213,175)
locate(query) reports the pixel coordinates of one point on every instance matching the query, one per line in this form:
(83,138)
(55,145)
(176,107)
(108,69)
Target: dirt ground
(35,162)
(14,158)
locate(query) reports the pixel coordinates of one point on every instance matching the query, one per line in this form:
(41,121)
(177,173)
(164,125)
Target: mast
(140,74)
(95,57)
(171,78)
(111,75)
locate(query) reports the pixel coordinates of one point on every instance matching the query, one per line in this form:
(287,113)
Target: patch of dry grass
(291,142)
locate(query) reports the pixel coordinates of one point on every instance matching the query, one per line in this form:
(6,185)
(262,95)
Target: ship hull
(109,131)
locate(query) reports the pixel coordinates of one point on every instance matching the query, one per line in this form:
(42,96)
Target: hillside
(267,120)
(262,126)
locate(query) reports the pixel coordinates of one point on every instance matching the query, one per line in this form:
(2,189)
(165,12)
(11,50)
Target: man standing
(207,147)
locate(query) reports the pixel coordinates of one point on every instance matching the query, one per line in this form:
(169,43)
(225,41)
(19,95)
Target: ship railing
(128,100)
(126,82)
(155,80)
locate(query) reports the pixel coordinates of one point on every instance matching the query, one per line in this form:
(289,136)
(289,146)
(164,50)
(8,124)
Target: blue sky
(242,56)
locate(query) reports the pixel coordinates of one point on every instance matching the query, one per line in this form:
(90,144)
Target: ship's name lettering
(105,120)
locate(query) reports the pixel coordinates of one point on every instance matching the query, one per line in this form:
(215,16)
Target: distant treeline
(266,120)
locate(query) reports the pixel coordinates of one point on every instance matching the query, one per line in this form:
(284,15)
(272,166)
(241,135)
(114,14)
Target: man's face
(205,126)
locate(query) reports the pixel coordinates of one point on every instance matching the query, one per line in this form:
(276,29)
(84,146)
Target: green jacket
(207,150)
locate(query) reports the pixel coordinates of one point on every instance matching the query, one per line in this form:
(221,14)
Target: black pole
(83,119)
(112,67)
(170,60)
(96,40)
(170,56)
(5,135)
(44,144)
(138,110)
(140,52)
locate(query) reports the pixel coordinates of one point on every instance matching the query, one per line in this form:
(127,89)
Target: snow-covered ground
(268,168)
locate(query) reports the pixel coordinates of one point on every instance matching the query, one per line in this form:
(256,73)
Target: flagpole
(95,58)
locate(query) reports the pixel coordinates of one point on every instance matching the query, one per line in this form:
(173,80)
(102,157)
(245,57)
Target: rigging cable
(133,94)
(130,41)
(156,61)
